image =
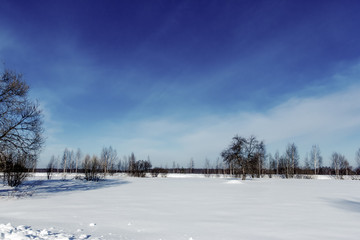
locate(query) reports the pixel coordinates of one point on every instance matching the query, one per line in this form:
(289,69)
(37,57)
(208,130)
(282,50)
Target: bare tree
(138,168)
(86,165)
(292,159)
(77,159)
(244,155)
(344,165)
(92,168)
(71,164)
(125,164)
(20,125)
(141,167)
(113,159)
(316,158)
(131,163)
(357,158)
(108,159)
(272,165)
(50,167)
(307,164)
(283,165)
(277,159)
(14,167)
(335,162)
(234,155)
(191,165)
(207,167)
(260,157)
(65,160)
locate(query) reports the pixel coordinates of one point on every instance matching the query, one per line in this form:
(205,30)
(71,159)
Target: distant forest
(244,157)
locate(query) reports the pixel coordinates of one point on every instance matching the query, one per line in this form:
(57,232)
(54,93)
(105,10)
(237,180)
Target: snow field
(186,208)
(9,232)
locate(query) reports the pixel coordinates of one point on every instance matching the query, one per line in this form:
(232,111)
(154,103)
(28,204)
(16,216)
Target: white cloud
(325,120)
(330,121)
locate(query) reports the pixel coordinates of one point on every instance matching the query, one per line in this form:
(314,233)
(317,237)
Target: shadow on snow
(349,205)
(47,187)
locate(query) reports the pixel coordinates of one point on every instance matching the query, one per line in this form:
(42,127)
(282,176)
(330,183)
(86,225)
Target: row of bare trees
(95,167)
(246,156)
(243,157)
(288,163)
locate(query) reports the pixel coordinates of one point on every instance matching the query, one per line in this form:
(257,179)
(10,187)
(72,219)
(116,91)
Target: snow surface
(181,208)
(25,232)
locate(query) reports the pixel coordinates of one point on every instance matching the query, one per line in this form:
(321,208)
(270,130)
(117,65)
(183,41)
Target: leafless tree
(131,163)
(340,164)
(65,160)
(108,159)
(335,162)
(15,169)
(344,165)
(50,167)
(283,165)
(156,171)
(20,125)
(260,157)
(207,167)
(277,159)
(140,168)
(292,159)
(316,158)
(191,165)
(119,166)
(92,168)
(125,164)
(86,165)
(72,163)
(244,155)
(357,158)
(77,159)
(272,165)
(307,164)
(234,155)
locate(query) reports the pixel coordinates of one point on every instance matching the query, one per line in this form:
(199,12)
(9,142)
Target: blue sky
(176,80)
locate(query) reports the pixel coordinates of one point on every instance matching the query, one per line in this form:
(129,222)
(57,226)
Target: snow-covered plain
(181,208)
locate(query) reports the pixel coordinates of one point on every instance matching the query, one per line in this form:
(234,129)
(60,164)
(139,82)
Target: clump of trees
(245,156)
(139,168)
(92,168)
(287,164)
(155,172)
(20,129)
(340,164)
(14,168)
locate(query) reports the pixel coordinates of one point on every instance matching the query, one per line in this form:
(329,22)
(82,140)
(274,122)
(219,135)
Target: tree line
(21,140)
(96,167)
(242,158)
(247,156)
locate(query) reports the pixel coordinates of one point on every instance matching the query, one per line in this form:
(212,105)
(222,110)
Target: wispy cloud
(327,120)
